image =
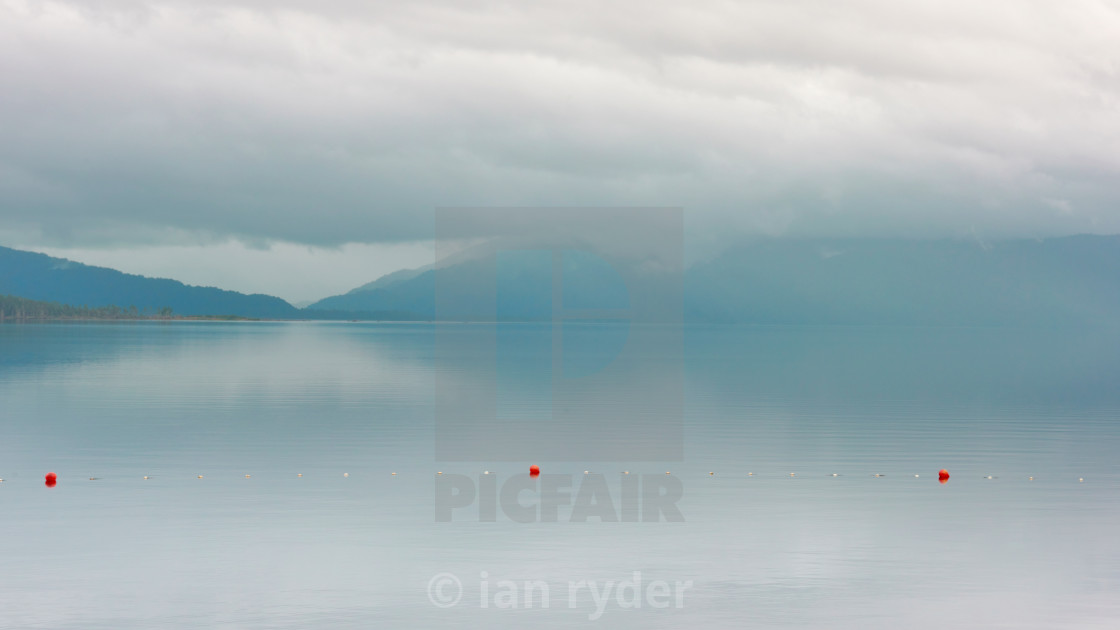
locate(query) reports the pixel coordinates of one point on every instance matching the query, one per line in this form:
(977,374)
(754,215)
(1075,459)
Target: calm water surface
(172,401)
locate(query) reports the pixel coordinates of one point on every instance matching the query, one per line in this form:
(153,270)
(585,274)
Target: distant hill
(511,286)
(415,294)
(1056,281)
(41,277)
(390,279)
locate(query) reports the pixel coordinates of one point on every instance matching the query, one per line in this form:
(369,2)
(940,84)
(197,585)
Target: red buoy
(534,470)
(52,479)
(943,475)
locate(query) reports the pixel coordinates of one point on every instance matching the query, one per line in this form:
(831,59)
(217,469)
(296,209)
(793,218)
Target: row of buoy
(51,479)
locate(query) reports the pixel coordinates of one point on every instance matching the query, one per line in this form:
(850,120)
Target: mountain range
(45,278)
(870,281)
(1056,281)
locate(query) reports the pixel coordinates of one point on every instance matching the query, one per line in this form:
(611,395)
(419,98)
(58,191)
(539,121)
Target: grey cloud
(326,123)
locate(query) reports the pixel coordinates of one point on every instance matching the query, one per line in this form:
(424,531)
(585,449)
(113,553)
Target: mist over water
(172,401)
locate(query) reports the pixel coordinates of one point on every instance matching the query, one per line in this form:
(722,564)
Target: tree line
(14,308)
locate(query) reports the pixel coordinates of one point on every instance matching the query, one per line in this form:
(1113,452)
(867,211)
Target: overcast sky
(266,136)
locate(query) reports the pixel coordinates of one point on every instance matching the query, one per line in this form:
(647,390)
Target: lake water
(349,545)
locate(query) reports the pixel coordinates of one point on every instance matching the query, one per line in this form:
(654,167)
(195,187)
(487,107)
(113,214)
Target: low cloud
(129,124)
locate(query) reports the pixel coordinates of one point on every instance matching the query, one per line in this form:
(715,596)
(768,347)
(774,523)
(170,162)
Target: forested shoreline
(17,309)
